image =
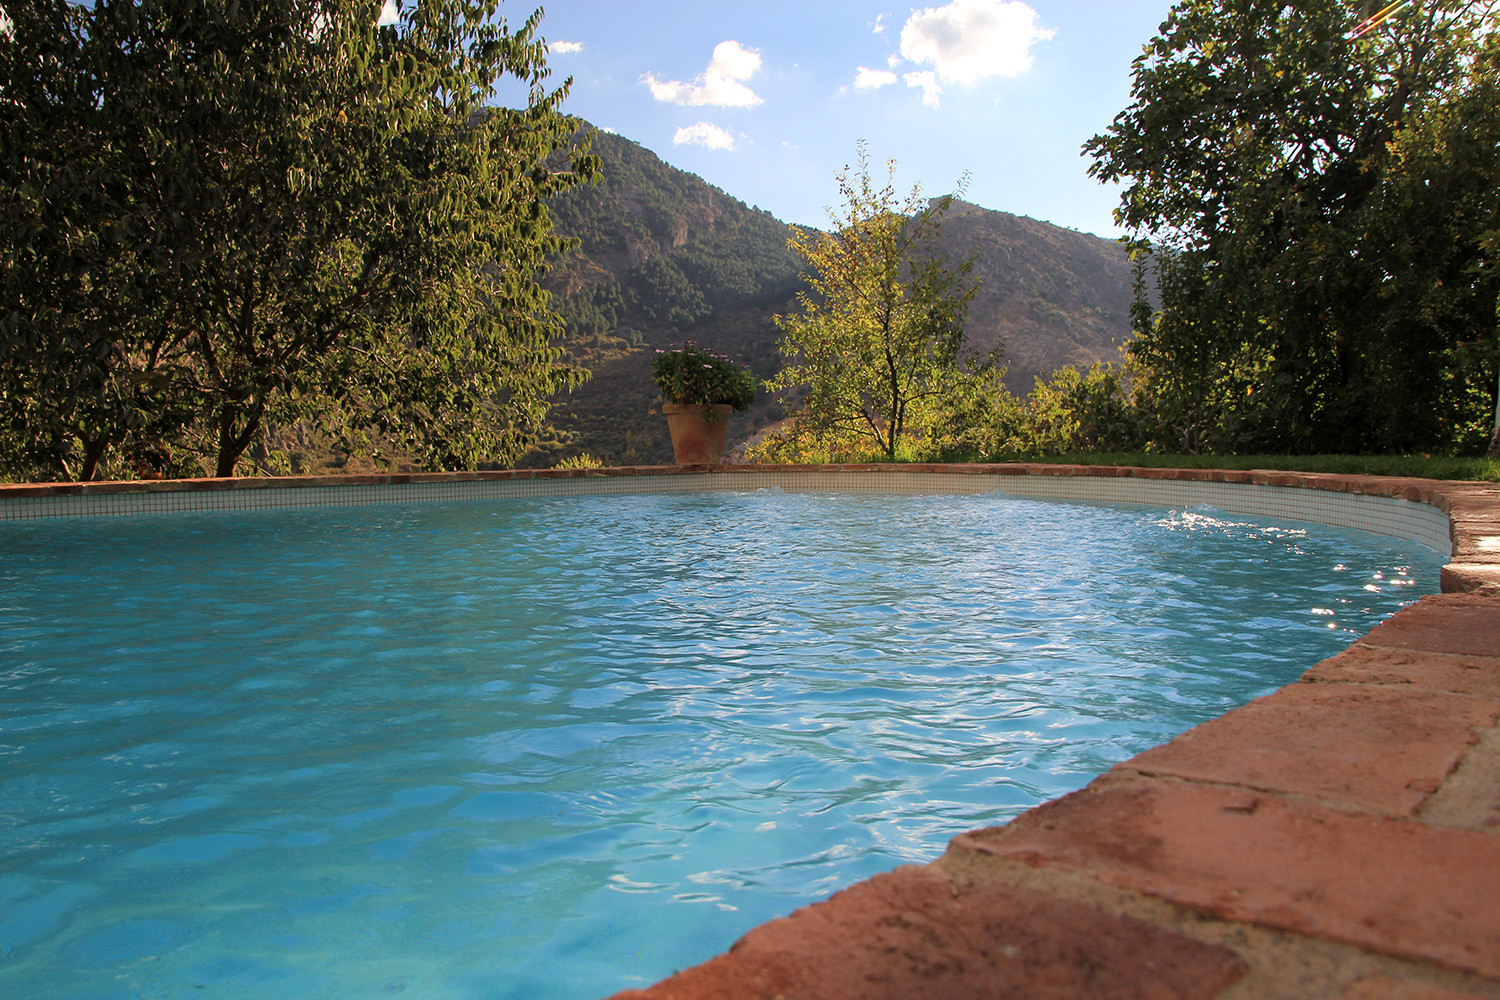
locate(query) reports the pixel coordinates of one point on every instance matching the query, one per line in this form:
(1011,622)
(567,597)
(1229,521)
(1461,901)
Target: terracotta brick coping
(1339,838)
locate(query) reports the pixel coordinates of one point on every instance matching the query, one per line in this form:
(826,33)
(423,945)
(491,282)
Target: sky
(768,99)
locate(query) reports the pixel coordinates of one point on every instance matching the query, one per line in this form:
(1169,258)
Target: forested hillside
(665,257)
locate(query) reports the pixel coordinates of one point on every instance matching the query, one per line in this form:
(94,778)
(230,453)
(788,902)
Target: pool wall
(1409,512)
(1338,838)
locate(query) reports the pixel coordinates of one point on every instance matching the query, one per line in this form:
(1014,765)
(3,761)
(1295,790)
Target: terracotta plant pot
(697,432)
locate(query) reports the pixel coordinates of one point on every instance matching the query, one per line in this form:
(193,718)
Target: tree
(877,341)
(1313,204)
(63,400)
(220,215)
(1195,377)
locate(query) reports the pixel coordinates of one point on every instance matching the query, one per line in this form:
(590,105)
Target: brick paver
(1385,988)
(1365,746)
(1390,885)
(914,934)
(1467,624)
(1456,673)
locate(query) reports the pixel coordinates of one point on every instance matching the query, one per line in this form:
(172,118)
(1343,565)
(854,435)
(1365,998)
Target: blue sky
(767,99)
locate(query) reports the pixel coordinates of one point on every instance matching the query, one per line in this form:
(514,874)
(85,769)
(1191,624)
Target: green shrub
(694,376)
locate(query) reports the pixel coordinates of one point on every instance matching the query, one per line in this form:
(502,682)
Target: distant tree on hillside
(876,344)
(215,215)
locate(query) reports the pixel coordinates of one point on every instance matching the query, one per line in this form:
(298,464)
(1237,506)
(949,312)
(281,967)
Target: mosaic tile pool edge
(1393,516)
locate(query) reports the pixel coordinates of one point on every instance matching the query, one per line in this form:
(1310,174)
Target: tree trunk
(93,453)
(232,445)
(1495,434)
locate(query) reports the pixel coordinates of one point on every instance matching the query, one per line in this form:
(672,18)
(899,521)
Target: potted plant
(700,388)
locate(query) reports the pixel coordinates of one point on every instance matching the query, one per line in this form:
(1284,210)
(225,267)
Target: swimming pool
(562,747)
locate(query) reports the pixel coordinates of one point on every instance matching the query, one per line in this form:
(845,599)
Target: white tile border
(1405,519)
(1386,515)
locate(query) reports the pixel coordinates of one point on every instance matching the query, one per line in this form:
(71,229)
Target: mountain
(1052,296)
(664,257)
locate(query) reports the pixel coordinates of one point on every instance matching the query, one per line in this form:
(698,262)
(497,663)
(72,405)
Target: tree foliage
(219,215)
(876,345)
(1313,209)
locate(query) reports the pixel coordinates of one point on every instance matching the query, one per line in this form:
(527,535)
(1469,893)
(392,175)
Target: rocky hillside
(1052,296)
(665,257)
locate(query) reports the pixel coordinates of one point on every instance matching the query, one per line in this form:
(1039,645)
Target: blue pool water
(553,748)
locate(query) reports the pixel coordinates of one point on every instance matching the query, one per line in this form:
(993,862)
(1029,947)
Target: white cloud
(562,48)
(721,85)
(879,25)
(968,40)
(389,14)
(927,82)
(873,79)
(703,134)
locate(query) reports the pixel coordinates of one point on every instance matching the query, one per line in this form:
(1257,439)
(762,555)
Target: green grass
(1414,466)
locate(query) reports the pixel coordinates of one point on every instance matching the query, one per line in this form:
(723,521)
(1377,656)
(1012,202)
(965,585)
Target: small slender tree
(876,343)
